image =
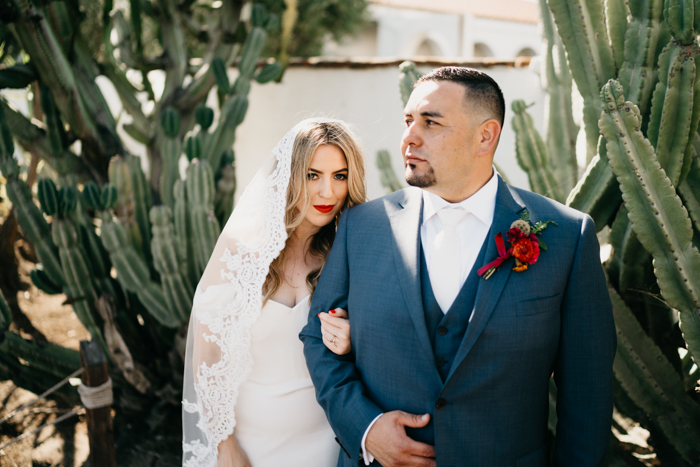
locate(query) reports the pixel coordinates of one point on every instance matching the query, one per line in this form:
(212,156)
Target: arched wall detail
(434,40)
(526,52)
(482,50)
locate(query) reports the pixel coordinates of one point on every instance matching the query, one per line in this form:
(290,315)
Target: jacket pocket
(536,306)
(539,458)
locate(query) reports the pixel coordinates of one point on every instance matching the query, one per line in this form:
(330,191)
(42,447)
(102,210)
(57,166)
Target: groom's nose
(410,136)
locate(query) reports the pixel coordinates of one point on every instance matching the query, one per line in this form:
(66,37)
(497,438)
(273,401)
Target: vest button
(440,404)
(440,361)
(442,330)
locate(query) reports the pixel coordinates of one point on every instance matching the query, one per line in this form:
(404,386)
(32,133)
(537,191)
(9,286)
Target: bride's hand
(231,454)
(335,327)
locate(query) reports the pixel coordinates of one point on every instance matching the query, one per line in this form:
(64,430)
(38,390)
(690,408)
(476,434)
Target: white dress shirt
(471,230)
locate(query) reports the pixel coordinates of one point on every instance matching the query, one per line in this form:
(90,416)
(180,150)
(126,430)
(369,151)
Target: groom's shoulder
(543,208)
(387,204)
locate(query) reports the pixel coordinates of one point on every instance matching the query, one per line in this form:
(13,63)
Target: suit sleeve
(339,389)
(583,369)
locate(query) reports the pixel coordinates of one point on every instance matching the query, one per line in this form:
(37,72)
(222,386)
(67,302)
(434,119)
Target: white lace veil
(227,302)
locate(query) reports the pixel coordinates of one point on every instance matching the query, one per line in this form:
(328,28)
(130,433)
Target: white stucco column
(467,46)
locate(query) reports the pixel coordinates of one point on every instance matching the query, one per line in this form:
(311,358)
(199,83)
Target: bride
(248,399)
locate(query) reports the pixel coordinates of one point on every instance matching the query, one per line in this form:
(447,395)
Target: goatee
(421,180)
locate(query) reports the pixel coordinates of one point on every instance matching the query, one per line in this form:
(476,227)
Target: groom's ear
(487,135)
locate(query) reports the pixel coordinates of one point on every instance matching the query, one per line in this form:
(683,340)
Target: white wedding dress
(278,421)
(245,371)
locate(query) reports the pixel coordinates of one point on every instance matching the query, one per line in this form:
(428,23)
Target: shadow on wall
(482,50)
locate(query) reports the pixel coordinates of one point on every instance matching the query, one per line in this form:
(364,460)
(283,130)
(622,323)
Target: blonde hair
(307,141)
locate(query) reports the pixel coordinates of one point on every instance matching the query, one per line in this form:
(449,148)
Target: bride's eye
(311,176)
(341,177)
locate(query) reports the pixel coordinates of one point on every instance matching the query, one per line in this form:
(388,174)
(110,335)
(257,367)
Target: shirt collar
(482,203)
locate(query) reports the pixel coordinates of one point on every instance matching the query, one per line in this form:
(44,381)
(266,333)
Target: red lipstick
(324,208)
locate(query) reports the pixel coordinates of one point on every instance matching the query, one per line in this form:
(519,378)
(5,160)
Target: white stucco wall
(401,31)
(398,32)
(368,99)
(504,38)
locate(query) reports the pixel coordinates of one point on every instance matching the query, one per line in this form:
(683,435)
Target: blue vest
(446,330)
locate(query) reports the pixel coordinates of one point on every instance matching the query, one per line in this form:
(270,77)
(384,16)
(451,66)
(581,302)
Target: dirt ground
(66,443)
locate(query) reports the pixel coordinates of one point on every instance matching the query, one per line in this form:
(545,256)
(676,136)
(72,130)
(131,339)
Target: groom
(449,368)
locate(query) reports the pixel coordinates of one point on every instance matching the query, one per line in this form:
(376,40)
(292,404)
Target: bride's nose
(326,188)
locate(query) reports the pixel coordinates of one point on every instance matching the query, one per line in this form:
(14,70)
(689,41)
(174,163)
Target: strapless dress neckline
(303,300)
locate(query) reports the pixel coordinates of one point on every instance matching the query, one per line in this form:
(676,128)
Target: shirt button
(440,361)
(442,330)
(440,404)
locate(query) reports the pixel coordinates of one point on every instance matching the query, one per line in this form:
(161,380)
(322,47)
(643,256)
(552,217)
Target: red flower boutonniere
(525,245)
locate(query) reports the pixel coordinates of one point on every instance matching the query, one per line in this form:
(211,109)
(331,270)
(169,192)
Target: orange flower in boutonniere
(525,245)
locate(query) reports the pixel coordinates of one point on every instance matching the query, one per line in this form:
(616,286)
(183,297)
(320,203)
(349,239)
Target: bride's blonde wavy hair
(307,141)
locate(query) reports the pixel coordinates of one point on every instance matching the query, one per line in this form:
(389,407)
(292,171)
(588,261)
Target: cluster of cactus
(635,65)
(126,250)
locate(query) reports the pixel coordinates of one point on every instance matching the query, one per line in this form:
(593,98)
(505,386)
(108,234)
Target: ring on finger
(333,340)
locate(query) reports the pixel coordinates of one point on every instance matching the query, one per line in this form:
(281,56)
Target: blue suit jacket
(556,317)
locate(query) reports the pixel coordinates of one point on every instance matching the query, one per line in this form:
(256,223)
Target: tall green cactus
(644,183)
(200,200)
(177,289)
(674,118)
(170,151)
(388,178)
(133,272)
(658,216)
(582,30)
(133,202)
(531,153)
(561,133)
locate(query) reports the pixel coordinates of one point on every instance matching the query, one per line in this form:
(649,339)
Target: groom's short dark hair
(481,89)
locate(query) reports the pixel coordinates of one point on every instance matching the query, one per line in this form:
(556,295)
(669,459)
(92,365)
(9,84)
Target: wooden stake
(99,421)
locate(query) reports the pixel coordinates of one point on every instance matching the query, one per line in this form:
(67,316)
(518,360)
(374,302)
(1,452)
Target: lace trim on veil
(224,320)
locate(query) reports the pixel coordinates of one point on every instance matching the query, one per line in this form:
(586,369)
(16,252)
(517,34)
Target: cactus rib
(653,383)
(657,214)
(531,153)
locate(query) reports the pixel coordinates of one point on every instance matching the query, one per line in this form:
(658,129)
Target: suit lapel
(405,226)
(508,208)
